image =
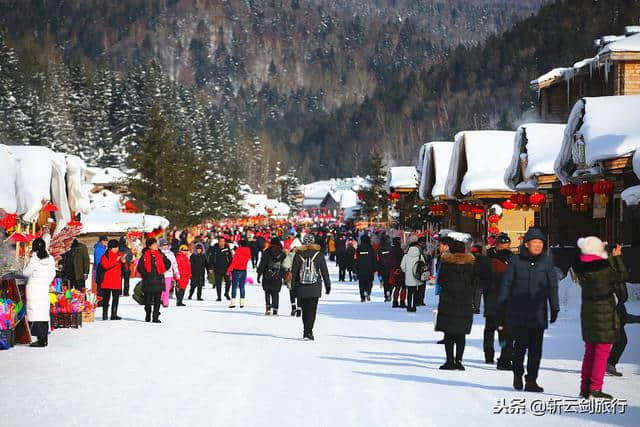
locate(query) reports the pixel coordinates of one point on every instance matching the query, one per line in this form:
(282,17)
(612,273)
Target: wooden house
(614,70)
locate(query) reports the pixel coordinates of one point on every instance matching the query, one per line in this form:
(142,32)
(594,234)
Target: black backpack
(420,271)
(274,269)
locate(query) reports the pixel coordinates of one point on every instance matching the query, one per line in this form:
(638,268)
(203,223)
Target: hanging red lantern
(50,207)
(478,211)
(603,188)
(394,196)
(9,221)
(508,205)
(493,219)
(586,191)
(568,191)
(536,200)
(494,230)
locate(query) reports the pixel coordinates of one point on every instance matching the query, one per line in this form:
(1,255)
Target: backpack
(274,269)
(420,271)
(309,272)
(100,270)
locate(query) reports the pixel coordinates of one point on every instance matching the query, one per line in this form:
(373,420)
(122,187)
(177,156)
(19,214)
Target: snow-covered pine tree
(290,190)
(374,201)
(14,120)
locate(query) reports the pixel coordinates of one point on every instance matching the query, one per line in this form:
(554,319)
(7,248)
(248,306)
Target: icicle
(606,71)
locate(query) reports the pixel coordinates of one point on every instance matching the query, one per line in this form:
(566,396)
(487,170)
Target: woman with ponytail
(40,270)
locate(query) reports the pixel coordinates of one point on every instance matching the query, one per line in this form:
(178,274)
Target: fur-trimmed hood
(312,247)
(461,259)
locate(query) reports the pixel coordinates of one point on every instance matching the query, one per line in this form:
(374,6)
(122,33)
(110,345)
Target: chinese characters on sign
(554,406)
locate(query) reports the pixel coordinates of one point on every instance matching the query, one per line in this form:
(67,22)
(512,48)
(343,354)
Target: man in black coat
(528,286)
(366,266)
(385,267)
(218,260)
(308,294)
(198,267)
(499,260)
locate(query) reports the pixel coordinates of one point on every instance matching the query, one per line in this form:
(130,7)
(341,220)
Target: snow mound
(8,177)
(623,44)
(103,221)
(76,184)
(435,168)
(486,155)
(105,176)
(631,195)
(599,128)
(536,146)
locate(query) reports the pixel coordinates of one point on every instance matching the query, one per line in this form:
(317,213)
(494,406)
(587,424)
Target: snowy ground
(207,365)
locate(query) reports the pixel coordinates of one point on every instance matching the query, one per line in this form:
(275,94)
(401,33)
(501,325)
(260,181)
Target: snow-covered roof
(435,168)
(402,177)
(105,201)
(8,177)
(598,129)
(623,44)
(260,205)
(99,221)
(315,192)
(105,176)
(556,73)
(479,162)
(536,146)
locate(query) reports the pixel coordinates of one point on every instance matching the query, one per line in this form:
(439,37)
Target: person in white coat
(41,270)
(407,265)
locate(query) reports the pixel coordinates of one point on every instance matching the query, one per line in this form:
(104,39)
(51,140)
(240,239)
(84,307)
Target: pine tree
(374,201)
(14,120)
(290,190)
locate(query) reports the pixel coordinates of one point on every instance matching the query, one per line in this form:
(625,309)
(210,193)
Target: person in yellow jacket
(332,247)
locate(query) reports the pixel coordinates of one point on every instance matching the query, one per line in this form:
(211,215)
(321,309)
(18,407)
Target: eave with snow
(434,166)
(478,164)
(601,136)
(535,149)
(402,179)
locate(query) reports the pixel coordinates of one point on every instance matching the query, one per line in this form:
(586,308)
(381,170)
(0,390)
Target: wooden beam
(618,163)
(491,194)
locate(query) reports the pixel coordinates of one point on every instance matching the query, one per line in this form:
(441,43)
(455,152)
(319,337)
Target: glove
(554,316)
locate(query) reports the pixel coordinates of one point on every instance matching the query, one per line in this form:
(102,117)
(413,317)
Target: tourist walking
(271,271)
(198,270)
(172,274)
(218,260)
(184,267)
(152,266)
(111,285)
(238,272)
(40,271)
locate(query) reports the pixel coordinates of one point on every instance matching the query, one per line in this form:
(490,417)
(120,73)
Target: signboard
(599,208)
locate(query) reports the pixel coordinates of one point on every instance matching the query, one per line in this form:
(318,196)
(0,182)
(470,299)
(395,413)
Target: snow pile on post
(598,129)
(536,146)
(435,168)
(479,161)
(8,176)
(402,177)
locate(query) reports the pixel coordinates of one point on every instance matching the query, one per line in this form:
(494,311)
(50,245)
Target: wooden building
(614,70)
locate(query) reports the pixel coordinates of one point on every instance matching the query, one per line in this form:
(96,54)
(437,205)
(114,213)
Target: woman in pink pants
(600,277)
(171,274)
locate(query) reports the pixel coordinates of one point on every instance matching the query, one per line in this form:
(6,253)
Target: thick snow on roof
(636,163)
(105,201)
(260,205)
(626,44)
(436,155)
(631,195)
(315,192)
(551,75)
(402,177)
(487,154)
(100,221)
(536,146)
(105,176)
(608,126)
(8,176)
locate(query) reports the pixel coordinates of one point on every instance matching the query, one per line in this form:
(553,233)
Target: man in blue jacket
(528,285)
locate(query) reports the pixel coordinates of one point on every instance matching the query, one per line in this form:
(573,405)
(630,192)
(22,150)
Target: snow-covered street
(208,365)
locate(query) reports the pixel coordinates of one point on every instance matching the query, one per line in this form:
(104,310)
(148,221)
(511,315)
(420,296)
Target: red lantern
(586,191)
(394,196)
(478,211)
(50,207)
(360,196)
(493,219)
(494,230)
(9,221)
(508,205)
(537,200)
(130,207)
(603,188)
(568,191)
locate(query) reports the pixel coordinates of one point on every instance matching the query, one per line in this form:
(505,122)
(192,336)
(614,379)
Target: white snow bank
(479,162)
(402,177)
(105,176)
(99,221)
(624,44)
(8,177)
(631,195)
(598,129)
(105,201)
(435,168)
(536,146)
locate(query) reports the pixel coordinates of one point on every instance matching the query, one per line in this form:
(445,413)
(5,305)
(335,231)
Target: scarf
(158,261)
(590,258)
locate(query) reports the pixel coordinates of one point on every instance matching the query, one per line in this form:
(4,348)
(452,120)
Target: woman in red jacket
(111,285)
(238,271)
(184,268)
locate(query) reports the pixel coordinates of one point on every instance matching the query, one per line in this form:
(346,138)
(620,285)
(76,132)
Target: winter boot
(147,317)
(517,381)
(293,310)
(267,311)
(611,370)
(233,303)
(585,393)
(599,394)
(504,366)
(402,304)
(299,312)
(449,365)
(395,304)
(533,387)
(459,365)
(241,302)
(226,295)
(274,312)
